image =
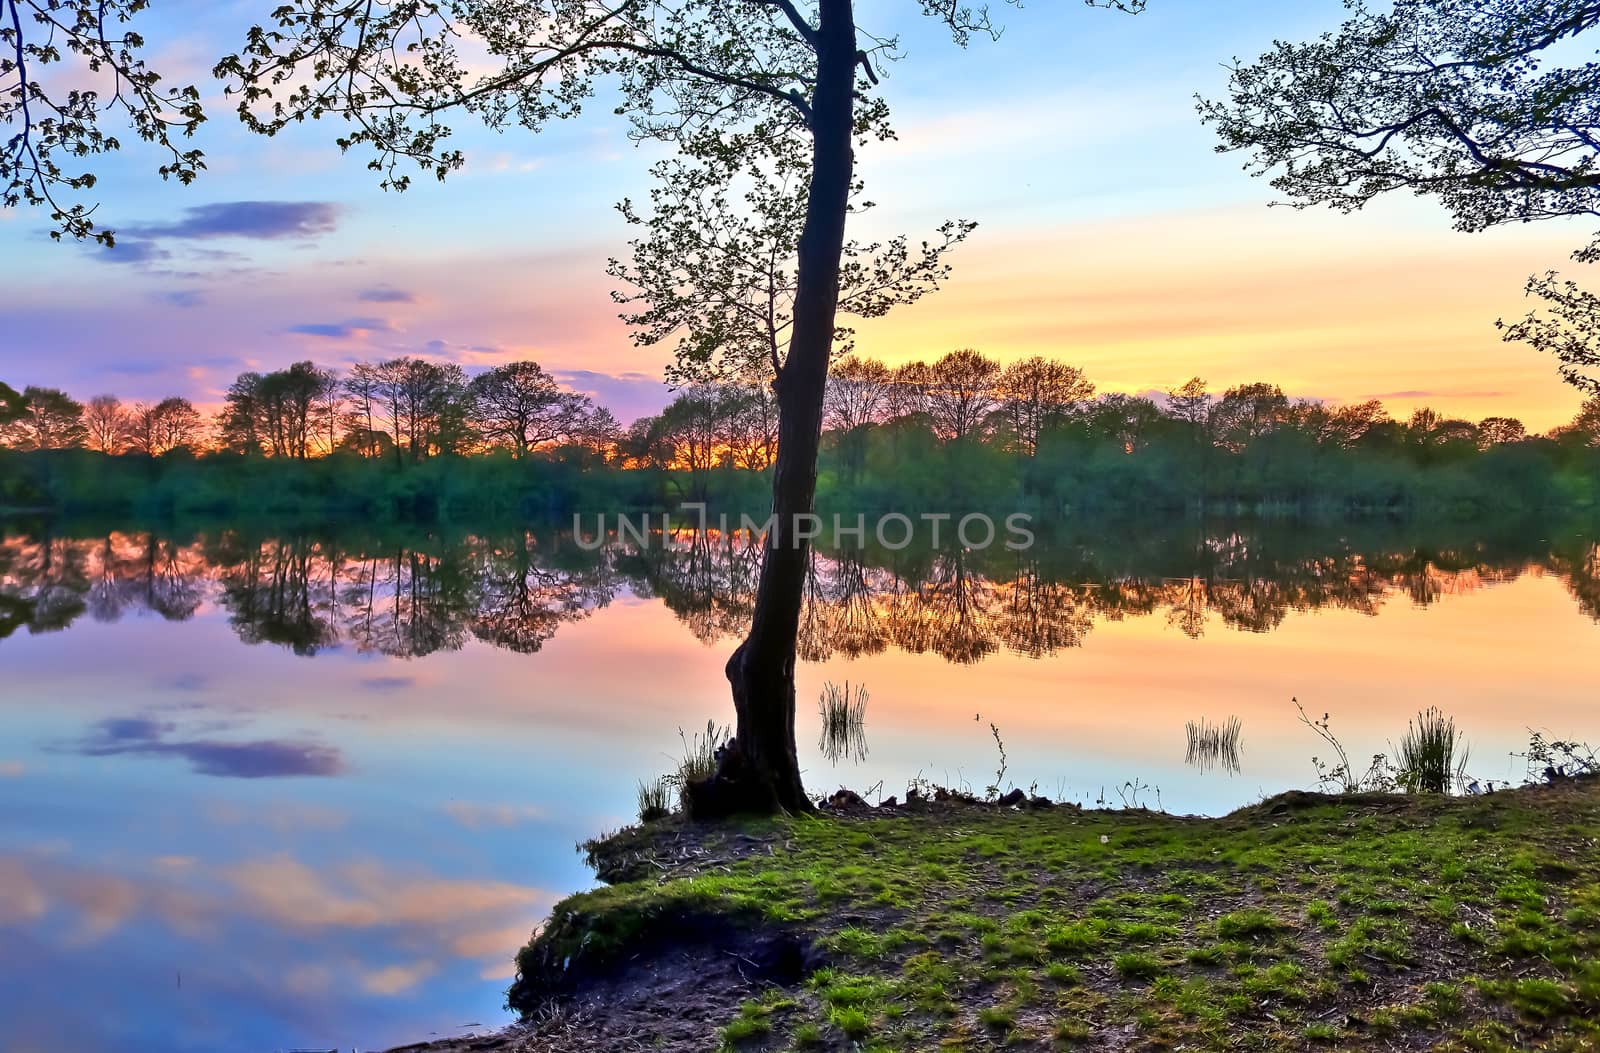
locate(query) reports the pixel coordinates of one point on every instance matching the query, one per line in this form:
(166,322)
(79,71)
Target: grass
(1308,921)
(655,800)
(1432,756)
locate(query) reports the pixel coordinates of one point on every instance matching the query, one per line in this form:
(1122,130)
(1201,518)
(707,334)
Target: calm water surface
(312,789)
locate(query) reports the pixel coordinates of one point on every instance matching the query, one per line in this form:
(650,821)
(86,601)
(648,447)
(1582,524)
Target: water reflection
(406,596)
(382,826)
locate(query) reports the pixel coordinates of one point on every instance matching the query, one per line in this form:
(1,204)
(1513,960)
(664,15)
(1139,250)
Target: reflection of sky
(236,848)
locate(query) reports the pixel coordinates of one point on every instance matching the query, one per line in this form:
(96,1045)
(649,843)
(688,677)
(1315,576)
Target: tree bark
(761,770)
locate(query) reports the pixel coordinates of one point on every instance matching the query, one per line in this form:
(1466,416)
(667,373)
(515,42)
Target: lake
(312,788)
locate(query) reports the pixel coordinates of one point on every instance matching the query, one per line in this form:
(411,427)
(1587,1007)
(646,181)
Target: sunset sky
(1111,236)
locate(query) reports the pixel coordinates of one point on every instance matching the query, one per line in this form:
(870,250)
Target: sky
(1111,235)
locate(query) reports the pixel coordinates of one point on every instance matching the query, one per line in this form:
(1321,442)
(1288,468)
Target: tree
(1585,427)
(716,263)
(752,426)
(286,413)
(1247,412)
(1191,404)
(363,392)
(106,424)
(714,77)
(1472,103)
(1499,431)
(423,405)
(961,392)
(858,389)
(520,406)
(11,405)
(166,426)
(50,420)
(694,427)
(58,113)
(1568,327)
(1037,394)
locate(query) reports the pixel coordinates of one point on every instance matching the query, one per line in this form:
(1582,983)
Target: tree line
(407,410)
(404,409)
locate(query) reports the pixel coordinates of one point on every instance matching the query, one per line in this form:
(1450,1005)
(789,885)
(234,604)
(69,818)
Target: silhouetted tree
(1567,327)
(763,81)
(961,392)
(163,427)
(1247,412)
(50,420)
(1472,103)
(1497,431)
(106,424)
(286,413)
(1037,394)
(57,57)
(858,391)
(520,406)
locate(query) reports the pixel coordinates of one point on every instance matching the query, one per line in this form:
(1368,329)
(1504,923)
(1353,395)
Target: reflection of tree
(959,600)
(1038,616)
(1189,607)
(405,596)
(706,578)
(521,605)
(1580,566)
(45,585)
(276,594)
(408,603)
(856,626)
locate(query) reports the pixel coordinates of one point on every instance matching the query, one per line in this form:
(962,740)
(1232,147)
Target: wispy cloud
(1439,394)
(129,250)
(388,683)
(248,219)
(385,295)
(181,298)
(627,395)
(342,330)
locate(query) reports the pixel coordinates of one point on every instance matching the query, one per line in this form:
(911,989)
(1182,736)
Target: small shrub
(655,800)
(1432,756)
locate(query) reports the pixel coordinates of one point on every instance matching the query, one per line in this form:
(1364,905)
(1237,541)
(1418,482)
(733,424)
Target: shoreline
(1307,921)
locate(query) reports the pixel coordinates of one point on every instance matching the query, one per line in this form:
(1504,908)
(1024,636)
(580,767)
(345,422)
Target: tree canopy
(1490,107)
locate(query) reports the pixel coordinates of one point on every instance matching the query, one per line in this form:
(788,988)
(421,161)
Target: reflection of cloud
(11,769)
(397,913)
(477,816)
(100,902)
(364,895)
(249,219)
(388,683)
(491,943)
(284,817)
(263,759)
(396,979)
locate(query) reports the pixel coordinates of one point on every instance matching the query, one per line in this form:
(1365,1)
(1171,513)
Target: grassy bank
(1308,921)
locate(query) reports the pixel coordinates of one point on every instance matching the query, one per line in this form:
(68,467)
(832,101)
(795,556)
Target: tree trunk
(760,771)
